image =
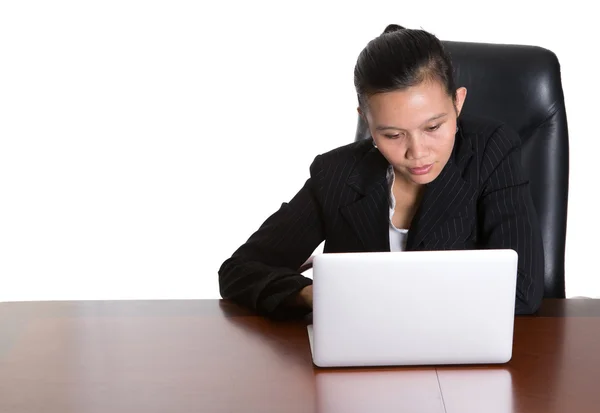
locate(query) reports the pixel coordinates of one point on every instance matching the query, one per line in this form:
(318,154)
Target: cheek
(392,150)
(444,146)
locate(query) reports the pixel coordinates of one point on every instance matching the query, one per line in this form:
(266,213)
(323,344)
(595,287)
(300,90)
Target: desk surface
(212,356)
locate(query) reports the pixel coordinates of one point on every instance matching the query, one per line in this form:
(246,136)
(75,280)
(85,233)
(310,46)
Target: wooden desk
(211,356)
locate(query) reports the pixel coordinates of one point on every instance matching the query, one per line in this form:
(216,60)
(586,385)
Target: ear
(461,95)
(361,113)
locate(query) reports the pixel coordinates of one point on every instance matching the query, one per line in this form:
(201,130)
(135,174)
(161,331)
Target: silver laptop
(413,308)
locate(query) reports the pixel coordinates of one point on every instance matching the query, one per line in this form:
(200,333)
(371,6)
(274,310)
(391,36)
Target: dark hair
(400,58)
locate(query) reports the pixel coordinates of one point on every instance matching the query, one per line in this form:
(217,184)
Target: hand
(304,298)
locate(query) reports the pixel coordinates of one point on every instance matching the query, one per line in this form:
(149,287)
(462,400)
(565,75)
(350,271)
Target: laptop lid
(413,308)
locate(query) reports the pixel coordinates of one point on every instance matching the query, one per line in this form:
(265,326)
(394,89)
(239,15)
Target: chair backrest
(521,85)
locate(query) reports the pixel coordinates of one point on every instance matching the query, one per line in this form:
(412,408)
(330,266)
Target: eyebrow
(384,127)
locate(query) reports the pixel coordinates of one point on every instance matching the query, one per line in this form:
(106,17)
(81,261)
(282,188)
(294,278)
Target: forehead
(409,106)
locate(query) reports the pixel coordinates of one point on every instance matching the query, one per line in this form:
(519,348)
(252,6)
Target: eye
(434,128)
(396,136)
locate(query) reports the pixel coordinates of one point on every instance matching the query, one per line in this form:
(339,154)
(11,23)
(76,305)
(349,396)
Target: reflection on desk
(413,390)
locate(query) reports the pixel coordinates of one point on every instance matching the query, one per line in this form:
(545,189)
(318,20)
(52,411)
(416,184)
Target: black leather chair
(521,85)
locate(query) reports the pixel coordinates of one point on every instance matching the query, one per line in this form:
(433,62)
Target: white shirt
(398,236)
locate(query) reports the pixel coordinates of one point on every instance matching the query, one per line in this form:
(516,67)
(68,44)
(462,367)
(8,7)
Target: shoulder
(353,151)
(487,130)
(492,140)
(341,159)
(495,143)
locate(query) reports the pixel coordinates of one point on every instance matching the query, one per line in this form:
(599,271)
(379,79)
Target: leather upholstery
(521,85)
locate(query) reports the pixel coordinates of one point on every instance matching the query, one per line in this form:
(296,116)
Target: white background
(141,142)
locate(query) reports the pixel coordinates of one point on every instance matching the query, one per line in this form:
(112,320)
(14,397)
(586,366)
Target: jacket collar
(369,172)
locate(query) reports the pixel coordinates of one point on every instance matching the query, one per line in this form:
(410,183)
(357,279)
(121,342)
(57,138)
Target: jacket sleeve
(263,272)
(508,218)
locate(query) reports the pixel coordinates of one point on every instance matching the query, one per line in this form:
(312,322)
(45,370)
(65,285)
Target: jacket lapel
(443,197)
(369,215)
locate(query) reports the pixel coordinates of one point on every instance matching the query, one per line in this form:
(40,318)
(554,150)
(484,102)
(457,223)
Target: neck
(401,183)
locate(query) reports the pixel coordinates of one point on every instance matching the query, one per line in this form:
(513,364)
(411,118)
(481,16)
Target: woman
(429,179)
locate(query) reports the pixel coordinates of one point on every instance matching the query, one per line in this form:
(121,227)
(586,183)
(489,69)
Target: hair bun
(393,28)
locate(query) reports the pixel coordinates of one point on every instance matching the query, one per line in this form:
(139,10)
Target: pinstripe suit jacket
(480,199)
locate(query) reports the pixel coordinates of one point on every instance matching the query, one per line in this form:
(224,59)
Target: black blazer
(481,199)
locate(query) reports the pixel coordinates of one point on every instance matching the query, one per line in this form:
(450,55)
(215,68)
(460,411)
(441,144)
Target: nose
(416,148)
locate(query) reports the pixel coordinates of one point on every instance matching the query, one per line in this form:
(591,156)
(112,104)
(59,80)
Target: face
(414,129)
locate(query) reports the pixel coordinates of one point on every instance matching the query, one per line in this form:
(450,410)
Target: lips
(422,170)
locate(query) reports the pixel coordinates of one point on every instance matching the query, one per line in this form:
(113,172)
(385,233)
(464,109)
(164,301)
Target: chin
(424,179)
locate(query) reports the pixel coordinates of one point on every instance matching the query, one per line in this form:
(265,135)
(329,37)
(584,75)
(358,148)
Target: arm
(507,217)
(263,273)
